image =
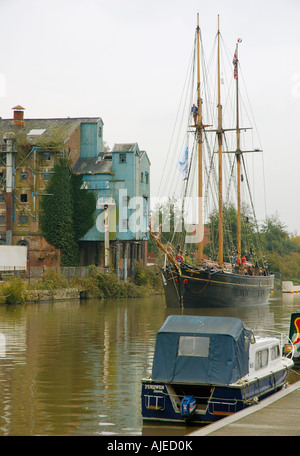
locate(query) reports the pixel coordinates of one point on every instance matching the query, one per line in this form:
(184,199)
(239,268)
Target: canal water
(75,368)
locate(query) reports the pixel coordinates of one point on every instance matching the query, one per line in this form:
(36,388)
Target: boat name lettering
(155,387)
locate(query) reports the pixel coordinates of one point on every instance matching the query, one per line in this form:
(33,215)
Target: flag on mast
(183,164)
(234,66)
(235,61)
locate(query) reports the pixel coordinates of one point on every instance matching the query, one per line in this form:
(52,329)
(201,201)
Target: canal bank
(64,294)
(278,415)
(53,286)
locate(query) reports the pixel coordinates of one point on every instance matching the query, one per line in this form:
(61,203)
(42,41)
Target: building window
(2,197)
(147,177)
(125,224)
(2,219)
(122,158)
(24,176)
(142,177)
(23,220)
(100,132)
(23,197)
(46,176)
(145,206)
(46,156)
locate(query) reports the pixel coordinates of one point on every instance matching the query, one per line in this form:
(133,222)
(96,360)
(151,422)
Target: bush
(13,291)
(149,277)
(50,280)
(108,286)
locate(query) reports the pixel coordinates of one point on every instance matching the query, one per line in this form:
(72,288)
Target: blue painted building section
(91,140)
(121,180)
(131,182)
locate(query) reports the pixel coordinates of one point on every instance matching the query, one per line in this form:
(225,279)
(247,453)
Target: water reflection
(75,368)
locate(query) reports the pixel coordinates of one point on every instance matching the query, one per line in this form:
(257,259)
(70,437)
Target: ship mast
(199,127)
(238,156)
(220,132)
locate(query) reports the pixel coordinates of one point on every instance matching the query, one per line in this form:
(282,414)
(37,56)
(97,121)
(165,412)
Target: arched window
(26,243)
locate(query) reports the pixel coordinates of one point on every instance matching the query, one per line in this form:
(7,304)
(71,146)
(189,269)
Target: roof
(62,127)
(93,165)
(130,147)
(19,107)
(126,147)
(201,350)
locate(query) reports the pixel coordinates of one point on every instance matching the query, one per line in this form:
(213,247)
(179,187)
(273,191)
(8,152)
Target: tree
(66,212)
(84,206)
(249,232)
(276,237)
(168,219)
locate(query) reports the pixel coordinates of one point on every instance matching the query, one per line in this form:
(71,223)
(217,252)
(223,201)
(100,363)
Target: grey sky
(126,60)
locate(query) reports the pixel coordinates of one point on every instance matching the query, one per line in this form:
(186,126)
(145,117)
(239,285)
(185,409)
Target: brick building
(28,150)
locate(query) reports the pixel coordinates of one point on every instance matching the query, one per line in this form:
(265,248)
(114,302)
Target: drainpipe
(118,259)
(9,139)
(125,263)
(106,236)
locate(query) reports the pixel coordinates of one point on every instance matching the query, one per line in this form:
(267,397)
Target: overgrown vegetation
(144,283)
(281,248)
(12,291)
(67,212)
(95,285)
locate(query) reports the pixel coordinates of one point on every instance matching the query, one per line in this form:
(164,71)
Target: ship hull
(203,288)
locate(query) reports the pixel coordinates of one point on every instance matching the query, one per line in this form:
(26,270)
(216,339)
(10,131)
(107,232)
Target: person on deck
(178,258)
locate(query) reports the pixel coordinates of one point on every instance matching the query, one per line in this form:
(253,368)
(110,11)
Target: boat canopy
(201,350)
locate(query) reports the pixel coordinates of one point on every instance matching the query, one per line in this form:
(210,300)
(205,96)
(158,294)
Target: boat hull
(203,288)
(161,401)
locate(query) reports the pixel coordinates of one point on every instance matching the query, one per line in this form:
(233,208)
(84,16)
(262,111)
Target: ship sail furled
(207,226)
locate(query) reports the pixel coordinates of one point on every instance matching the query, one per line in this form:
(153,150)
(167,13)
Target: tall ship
(219,261)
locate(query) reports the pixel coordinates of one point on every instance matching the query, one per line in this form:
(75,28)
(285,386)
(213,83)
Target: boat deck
(277,415)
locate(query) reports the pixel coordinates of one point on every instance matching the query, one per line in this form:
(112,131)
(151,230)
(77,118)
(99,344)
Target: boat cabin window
(274,352)
(261,359)
(193,346)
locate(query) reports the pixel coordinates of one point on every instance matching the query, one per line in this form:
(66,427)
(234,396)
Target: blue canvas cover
(201,350)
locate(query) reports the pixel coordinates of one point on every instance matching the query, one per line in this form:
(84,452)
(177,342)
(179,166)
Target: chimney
(19,116)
